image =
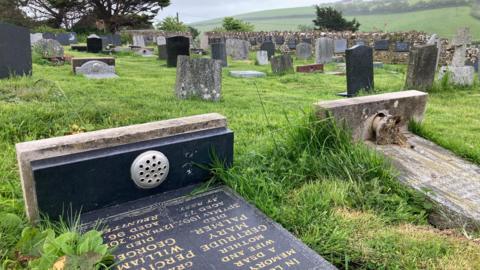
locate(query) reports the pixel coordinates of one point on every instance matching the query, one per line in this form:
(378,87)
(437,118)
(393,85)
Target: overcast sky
(200,10)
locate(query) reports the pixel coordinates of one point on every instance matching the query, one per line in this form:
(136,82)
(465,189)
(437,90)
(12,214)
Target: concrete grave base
(463,76)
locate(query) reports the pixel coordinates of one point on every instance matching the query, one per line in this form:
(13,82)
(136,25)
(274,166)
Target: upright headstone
(63,38)
(282,64)
(382,45)
(138,41)
(204,44)
(292,44)
(219,52)
(35,37)
(268,46)
(178,45)
(340,45)
(94,44)
(304,51)
(324,50)
(161,40)
(15,51)
(162,52)
(279,40)
(262,58)
(458,73)
(359,64)
(113,39)
(48,35)
(200,77)
(238,49)
(435,40)
(421,68)
(72,38)
(49,48)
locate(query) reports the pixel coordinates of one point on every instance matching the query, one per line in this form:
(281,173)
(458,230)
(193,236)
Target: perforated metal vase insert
(149,169)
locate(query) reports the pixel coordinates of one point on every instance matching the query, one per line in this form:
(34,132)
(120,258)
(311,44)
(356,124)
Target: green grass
(339,197)
(443,21)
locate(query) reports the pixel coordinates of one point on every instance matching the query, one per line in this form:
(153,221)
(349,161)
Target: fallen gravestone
(237,49)
(359,65)
(95,44)
(268,46)
(310,68)
(138,41)
(324,50)
(78,62)
(282,64)
(262,58)
(35,37)
(340,45)
(219,52)
(200,77)
(422,65)
(152,174)
(162,52)
(304,51)
(15,51)
(457,72)
(49,49)
(382,45)
(247,74)
(96,70)
(176,46)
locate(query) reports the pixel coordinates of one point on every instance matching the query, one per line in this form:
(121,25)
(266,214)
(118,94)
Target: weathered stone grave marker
(199,77)
(151,173)
(48,48)
(304,51)
(268,46)
(15,51)
(435,40)
(138,41)
(237,49)
(162,52)
(95,44)
(176,46)
(457,72)
(340,45)
(359,65)
(324,50)
(79,61)
(422,65)
(282,64)
(219,52)
(35,37)
(262,58)
(96,70)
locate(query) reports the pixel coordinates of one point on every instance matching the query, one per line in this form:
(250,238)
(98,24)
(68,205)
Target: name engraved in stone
(214,230)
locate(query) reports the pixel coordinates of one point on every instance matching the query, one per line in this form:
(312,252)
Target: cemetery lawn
(340,198)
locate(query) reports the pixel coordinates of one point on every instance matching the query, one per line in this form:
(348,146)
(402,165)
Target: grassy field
(443,21)
(339,197)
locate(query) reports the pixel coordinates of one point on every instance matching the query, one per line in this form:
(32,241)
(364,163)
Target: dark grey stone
(63,38)
(200,77)
(269,47)
(292,44)
(253,42)
(95,44)
(162,52)
(422,65)
(176,46)
(359,64)
(307,40)
(282,64)
(402,47)
(48,35)
(382,45)
(15,51)
(279,40)
(219,52)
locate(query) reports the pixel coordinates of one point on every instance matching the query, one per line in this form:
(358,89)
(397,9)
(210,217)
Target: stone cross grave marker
(457,72)
(154,216)
(176,46)
(304,51)
(262,58)
(359,65)
(461,41)
(15,51)
(96,70)
(324,50)
(219,52)
(422,66)
(282,64)
(200,77)
(268,46)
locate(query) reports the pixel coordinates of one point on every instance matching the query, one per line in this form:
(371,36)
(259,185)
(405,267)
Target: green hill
(443,21)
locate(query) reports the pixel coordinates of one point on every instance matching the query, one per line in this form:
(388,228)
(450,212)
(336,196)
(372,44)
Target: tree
(171,24)
(10,12)
(330,19)
(236,25)
(56,13)
(193,31)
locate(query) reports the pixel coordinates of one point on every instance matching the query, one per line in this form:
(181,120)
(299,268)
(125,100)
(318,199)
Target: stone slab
(199,77)
(310,68)
(78,62)
(210,231)
(358,113)
(40,154)
(422,66)
(247,74)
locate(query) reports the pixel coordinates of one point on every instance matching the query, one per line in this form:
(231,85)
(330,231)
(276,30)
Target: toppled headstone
(15,51)
(324,50)
(282,64)
(219,52)
(310,68)
(359,64)
(422,65)
(95,44)
(49,48)
(247,74)
(96,70)
(238,49)
(340,45)
(304,51)
(268,46)
(199,77)
(262,58)
(176,46)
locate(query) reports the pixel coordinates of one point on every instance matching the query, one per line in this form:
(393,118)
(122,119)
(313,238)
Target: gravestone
(279,40)
(49,48)
(457,72)
(204,41)
(200,77)
(402,46)
(35,37)
(113,39)
(160,221)
(162,52)
(340,45)
(94,44)
(310,68)
(237,49)
(359,65)
(324,50)
(96,70)
(360,42)
(422,65)
(247,74)
(253,41)
(15,51)
(80,48)
(138,41)
(307,40)
(292,44)
(178,45)
(48,35)
(382,45)
(79,61)
(63,38)
(262,58)
(282,64)
(435,40)
(219,52)
(461,41)
(161,40)
(304,51)
(268,46)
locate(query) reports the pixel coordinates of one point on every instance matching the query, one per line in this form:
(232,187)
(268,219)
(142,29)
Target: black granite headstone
(382,45)
(269,47)
(176,46)
(359,64)
(162,52)
(95,44)
(219,52)
(402,47)
(15,51)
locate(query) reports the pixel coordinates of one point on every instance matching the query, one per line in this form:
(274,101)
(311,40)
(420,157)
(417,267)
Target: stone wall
(150,35)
